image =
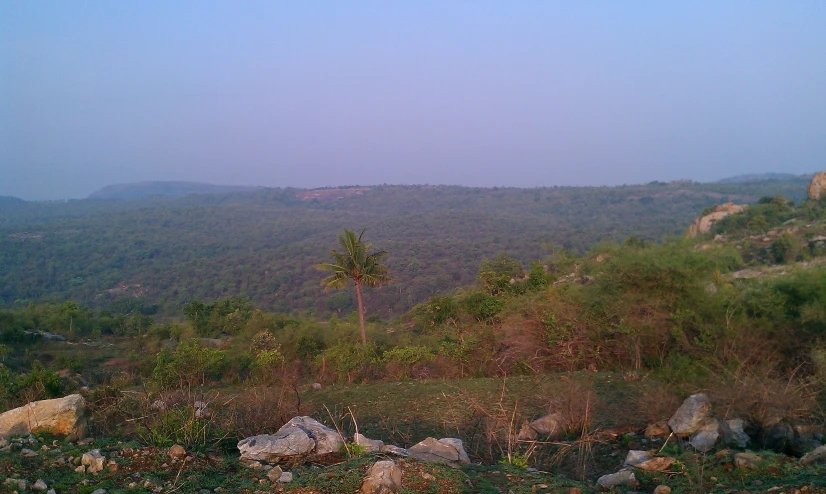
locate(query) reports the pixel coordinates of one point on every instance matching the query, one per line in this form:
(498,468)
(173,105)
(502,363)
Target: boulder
(817,186)
(799,447)
(816,456)
(747,460)
(176,452)
(527,433)
(326,439)
(734,433)
(61,416)
(384,477)
(448,450)
(93,461)
(549,427)
(394,450)
(705,438)
(274,474)
(703,224)
(288,441)
(624,477)
(691,416)
(777,436)
(657,429)
(370,445)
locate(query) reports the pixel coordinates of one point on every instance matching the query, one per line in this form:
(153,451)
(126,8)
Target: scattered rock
(777,436)
(734,433)
(705,439)
(28,453)
(274,474)
(288,441)
(326,439)
(799,447)
(176,452)
(747,461)
(635,457)
(527,433)
(93,461)
(61,416)
(316,386)
(623,477)
(39,485)
(370,445)
(99,491)
(286,477)
(394,450)
(384,477)
(657,429)
(21,484)
(662,489)
(548,427)
(449,451)
(816,456)
(691,416)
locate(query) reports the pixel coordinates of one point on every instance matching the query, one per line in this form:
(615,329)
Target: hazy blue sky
(478,93)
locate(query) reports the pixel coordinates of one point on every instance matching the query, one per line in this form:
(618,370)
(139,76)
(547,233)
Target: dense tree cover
(264,244)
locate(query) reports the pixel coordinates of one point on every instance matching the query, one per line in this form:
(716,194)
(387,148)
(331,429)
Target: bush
(483,307)
(348,361)
(189,365)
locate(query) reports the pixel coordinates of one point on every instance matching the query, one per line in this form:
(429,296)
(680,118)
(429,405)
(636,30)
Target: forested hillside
(264,244)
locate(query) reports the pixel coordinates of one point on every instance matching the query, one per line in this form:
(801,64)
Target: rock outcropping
(817,186)
(299,436)
(703,224)
(61,416)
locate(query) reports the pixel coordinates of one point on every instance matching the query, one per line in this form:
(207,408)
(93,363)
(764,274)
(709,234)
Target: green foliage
(307,347)
(353,450)
(441,310)
(538,277)
(189,365)
(408,355)
(785,248)
(496,274)
(221,316)
(349,361)
(482,306)
(518,460)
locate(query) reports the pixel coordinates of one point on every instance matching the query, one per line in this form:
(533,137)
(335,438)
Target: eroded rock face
(691,416)
(288,441)
(61,416)
(448,450)
(817,186)
(703,224)
(384,477)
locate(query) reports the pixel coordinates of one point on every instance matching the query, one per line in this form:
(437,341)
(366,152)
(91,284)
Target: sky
(328,93)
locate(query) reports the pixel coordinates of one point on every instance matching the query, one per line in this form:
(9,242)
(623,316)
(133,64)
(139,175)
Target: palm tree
(357,264)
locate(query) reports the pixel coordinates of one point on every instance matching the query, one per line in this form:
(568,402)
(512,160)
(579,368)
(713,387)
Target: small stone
(93,460)
(316,386)
(81,469)
(99,491)
(384,477)
(176,452)
(428,476)
(274,474)
(657,429)
(662,489)
(623,477)
(40,485)
(747,460)
(286,477)
(132,485)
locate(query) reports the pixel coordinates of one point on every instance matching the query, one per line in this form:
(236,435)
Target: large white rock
(448,450)
(327,440)
(691,416)
(288,441)
(384,477)
(61,416)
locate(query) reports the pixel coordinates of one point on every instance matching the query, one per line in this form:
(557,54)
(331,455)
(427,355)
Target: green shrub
(349,361)
(189,365)
(483,307)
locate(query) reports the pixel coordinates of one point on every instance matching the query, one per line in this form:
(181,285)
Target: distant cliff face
(817,186)
(703,224)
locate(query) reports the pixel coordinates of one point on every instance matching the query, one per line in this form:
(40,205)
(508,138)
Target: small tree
(357,264)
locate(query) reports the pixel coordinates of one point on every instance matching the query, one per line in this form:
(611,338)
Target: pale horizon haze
(312,94)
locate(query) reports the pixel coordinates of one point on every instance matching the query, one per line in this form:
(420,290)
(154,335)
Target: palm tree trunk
(361,315)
